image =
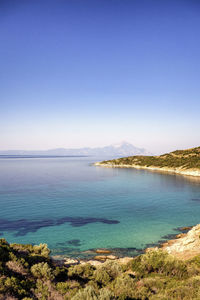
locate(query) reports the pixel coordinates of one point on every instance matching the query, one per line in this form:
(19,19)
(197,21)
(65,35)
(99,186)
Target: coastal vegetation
(182,159)
(28,272)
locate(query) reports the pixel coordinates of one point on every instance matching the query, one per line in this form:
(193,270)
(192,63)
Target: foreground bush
(159,262)
(42,271)
(27,272)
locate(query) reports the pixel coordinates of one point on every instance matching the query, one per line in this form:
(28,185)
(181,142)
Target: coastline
(180,171)
(175,240)
(183,246)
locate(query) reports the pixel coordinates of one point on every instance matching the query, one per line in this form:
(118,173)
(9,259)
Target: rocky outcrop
(105,257)
(103,251)
(185,247)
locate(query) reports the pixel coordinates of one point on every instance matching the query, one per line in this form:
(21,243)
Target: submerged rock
(103,251)
(184,229)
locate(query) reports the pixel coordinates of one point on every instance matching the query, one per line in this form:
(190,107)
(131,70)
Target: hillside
(180,161)
(28,272)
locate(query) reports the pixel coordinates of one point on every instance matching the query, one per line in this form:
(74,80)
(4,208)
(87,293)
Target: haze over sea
(74,206)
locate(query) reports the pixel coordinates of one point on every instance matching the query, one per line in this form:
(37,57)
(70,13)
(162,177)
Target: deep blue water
(74,206)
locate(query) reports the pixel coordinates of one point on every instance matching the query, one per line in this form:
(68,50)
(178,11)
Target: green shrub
(64,287)
(159,262)
(42,250)
(87,293)
(113,268)
(124,287)
(12,285)
(42,290)
(83,271)
(42,271)
(107,272)
(155,275)
(180,292)
(102,277)
(105,294)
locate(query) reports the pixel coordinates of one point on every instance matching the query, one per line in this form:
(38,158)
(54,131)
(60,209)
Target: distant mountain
(115,150)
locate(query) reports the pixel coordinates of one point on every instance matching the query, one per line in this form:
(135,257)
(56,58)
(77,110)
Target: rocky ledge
(186,246)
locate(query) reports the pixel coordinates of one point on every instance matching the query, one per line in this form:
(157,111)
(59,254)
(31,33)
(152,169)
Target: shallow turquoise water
(74,206)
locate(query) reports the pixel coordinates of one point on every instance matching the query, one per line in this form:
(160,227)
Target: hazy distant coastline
(115,150)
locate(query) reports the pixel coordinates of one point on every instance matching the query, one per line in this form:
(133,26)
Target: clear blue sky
(90,73)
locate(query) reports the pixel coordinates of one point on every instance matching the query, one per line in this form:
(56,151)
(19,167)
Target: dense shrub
(102,277)
(42,250)
(124,287)
(87,293)
(159,262)
(107,272)
(105,294)
(12,286)
(4,250)
(42,271)
(42,290)
(83,271)
(65,287)
(155,275)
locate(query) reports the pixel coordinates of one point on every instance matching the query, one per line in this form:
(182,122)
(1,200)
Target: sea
(75,207)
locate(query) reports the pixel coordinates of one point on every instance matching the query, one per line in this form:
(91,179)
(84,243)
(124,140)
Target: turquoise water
(74,206)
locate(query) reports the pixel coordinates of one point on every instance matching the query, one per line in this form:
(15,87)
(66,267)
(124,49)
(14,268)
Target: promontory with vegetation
(186,162)
(168,273)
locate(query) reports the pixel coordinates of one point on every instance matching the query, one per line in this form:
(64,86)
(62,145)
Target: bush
(42,271)
(159,262)
(105,294)
(155,275)
(83,271)
(42,250)
(124,287)
(4,250)
(102,277)
(87,293)
(12,286)
(64,287)
(42,290)
(107,272)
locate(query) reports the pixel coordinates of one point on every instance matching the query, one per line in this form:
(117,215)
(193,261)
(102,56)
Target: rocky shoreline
(100,256)
(184,246)
(180,171)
